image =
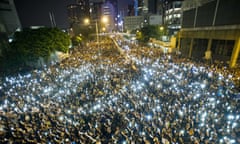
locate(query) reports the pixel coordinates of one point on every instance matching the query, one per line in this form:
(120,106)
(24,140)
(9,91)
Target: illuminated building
(133,22)
(140,7)
(109,12)
(152,6)
(84,7)
(95,9)
(172,17)
(73,13)
(116,14)
(79,11)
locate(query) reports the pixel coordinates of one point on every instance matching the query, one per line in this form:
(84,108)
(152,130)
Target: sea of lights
(159,95)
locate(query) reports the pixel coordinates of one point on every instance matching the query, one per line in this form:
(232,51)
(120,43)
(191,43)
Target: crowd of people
(97,95)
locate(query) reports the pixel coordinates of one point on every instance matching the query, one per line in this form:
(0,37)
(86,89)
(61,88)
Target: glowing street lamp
(103,20)
(86,21)
(161,28)
(161,31)
(103,29)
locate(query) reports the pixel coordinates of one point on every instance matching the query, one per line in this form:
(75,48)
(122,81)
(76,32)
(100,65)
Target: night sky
(36,12)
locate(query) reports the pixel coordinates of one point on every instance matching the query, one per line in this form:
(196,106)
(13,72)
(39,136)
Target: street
(101,95)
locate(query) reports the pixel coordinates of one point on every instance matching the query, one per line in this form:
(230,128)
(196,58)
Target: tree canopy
(31,44)
(147,32)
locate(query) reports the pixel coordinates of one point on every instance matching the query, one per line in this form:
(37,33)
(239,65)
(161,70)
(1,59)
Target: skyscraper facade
(141,7)
(173,14)
(115,14)
(79,11)
(77,14)
(74,12)
(95,8)
(108,12)
(84,7)
(130,11)
(152,6)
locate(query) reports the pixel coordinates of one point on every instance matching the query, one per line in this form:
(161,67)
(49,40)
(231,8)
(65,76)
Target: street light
(86,21)
(104,20)
(161,28)
(103,29)
(161,31)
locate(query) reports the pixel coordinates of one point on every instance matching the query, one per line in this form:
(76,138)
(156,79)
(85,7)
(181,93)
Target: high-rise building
(107,9)
(73,13)
(130,11)
(138,7)
(211,31)
(173,14)
(160,6)
(78,12)
(108,12)
(95,9)
(152,6)
(84,8)
(116,15)
(133,22)
(145,8)
(115,6)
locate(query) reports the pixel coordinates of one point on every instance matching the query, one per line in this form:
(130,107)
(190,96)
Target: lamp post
(161,28)
(104,20)
(97,37)
(161,32)
(86,21)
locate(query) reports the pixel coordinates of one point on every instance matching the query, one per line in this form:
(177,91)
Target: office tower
(173,14)
(73,13)
(115,13)
(141,7)
(95,8)
(130,11)
(84,8)
(108,12)
(152,6)
(78,12)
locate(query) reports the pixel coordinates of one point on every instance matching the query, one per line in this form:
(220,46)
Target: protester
(98,96)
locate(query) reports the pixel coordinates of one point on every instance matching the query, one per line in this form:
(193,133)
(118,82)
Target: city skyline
(38,13)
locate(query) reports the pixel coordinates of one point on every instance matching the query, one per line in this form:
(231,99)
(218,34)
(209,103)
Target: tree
(31,44)
(147,32)
(76,40)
